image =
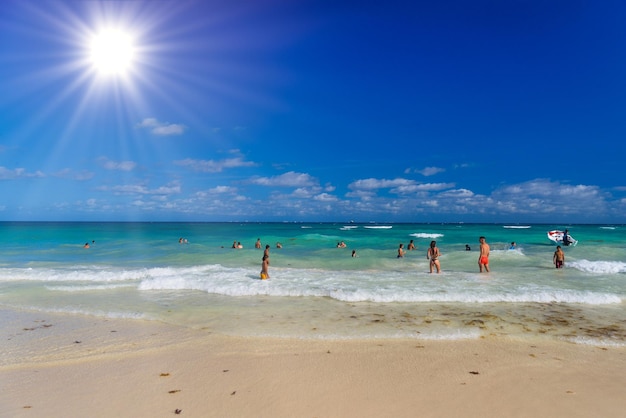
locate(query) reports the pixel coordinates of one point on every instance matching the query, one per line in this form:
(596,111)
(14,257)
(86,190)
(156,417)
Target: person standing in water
(558,258)
(433,255)
(567,240)
(265,267)
(483,257)
(401,251)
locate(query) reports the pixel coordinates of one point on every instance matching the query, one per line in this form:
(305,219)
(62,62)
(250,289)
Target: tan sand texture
(197,374)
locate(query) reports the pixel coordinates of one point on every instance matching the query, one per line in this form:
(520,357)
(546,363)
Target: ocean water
(316,290)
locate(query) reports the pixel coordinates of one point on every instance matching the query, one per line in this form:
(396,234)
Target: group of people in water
(432,254)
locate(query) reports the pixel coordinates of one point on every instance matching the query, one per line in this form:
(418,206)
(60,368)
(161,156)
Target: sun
(112,52)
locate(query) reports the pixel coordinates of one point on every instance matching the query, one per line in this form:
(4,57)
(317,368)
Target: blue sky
(396,111)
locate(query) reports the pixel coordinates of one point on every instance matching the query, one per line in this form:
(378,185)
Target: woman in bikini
(433,255)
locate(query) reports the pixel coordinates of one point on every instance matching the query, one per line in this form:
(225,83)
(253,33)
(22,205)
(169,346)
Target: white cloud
(68,173)
(223,189)
(8,174)
(426,171)
(289,179)
(161,128)
(325,197)
(117,165)
(398,185)
(212,166)
(171,188)
(372,184)
(431,171)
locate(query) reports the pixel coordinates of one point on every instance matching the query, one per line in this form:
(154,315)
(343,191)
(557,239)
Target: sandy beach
(122,368)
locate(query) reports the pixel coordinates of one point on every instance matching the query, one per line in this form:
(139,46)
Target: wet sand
(86,367)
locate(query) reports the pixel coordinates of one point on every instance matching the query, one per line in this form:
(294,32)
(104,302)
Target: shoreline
(153,369)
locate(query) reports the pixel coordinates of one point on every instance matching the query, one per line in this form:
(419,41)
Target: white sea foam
(364,287)
(426,235)
(600,342)
(87,288)
(205,284)
(76,311)
(599,267)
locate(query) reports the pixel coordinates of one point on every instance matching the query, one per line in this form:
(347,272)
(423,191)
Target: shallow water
(140,270)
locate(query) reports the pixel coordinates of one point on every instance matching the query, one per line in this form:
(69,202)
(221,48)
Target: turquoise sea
(142,271)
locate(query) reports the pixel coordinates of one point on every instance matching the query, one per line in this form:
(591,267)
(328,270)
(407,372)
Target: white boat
(557,236)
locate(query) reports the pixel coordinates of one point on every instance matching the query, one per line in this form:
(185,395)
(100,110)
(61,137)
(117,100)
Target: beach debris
(37,327)
(27,407)
(328,352)
(178,411)
(225,370)
(476,322)
(233,393)
(77,342)
(164,374)
(174,391)
(473,372)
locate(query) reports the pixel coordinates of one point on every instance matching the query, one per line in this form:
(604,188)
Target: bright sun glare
(112,52)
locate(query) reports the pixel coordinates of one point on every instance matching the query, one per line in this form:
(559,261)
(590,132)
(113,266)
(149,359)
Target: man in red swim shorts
(483,257)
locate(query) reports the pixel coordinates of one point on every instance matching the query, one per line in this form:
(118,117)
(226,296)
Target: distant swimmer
(483,257)
(433,255)
(234,244)
(266,253)
(411,246)
(354,253)
(86,245)
(401,251)
(258,243)
(558,258)
(265,267)
(279,245)
(467,247)
(513,246)
(239,245)
(341,244)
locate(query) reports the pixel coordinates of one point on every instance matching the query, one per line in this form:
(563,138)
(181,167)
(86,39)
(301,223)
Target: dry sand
(198,374)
